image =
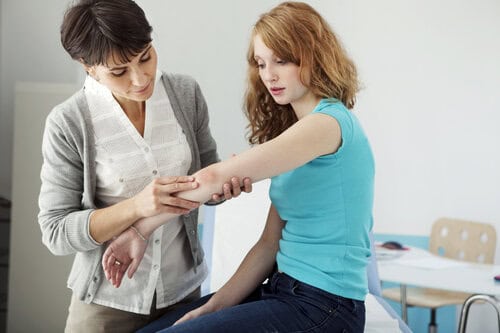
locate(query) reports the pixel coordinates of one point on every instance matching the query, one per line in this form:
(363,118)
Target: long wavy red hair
(296,33)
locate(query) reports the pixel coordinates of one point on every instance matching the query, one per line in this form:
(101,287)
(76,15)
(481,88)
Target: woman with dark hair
(115,155)
(301,89)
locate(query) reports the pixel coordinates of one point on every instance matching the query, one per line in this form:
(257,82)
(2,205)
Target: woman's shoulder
(70,113)
(179,80)
(184,87)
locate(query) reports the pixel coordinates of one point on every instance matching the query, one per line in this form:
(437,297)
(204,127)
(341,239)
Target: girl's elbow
(208,177)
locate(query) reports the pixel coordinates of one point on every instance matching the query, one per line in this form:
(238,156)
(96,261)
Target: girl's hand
(124,252)
(200,311)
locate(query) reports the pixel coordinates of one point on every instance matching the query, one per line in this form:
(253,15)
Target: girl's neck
(305,105)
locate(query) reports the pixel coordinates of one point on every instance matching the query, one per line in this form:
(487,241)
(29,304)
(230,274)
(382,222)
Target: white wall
(38,298)
(430,72)
(30,51)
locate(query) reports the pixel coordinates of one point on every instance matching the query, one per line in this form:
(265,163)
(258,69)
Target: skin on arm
(129,259)
(312,136)
(129,247)
(156,198)
(255,267)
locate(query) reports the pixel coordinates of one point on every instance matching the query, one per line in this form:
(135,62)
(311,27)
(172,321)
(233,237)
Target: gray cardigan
(69,180)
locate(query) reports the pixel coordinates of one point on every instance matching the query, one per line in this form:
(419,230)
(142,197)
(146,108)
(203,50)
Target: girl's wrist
(216,303)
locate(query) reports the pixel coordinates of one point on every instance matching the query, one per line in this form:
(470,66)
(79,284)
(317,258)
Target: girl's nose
(269,74)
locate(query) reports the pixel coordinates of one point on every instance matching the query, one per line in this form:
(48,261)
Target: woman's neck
(135,112)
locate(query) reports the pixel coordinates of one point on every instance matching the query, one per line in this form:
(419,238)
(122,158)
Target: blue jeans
(284,304)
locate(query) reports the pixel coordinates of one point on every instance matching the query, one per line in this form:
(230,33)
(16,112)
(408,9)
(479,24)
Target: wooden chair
(454,239)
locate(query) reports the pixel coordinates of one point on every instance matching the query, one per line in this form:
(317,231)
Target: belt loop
(275,280)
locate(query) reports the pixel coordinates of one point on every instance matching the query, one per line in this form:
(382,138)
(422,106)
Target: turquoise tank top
(327,208)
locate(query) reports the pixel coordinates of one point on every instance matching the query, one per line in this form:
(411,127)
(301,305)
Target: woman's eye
(260,66)
(118,74)
(146,59)
(281,62)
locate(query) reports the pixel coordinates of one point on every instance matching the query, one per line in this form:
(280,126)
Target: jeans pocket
(315,297)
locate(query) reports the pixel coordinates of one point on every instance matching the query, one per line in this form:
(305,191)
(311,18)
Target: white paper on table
(430,262)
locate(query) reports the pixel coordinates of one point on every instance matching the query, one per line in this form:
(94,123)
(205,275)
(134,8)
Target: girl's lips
(276,91)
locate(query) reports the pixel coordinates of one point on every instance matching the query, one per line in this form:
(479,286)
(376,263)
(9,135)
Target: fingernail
(195,184)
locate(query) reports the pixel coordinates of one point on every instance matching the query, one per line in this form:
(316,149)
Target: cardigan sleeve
(206,143)
(63,221)
(192,111)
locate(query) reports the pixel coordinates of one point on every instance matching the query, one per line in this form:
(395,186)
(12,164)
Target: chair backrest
(463,240)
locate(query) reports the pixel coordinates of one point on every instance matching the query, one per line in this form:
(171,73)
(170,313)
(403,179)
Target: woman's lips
(143,90)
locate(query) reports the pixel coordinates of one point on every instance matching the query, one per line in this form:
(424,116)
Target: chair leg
(433,327)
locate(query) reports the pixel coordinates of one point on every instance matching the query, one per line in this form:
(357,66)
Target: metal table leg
(466,307)
(404,306)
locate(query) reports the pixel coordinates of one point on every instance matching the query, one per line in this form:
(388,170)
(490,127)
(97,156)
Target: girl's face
(282,80)
(128,82)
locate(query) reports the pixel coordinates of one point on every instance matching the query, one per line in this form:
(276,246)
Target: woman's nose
(138,78)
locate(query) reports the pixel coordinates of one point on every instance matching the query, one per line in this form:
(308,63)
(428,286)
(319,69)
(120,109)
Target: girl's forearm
(210,179)
(299,144)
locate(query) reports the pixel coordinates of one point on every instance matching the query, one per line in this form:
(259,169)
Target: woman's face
(282,79)
(131,81)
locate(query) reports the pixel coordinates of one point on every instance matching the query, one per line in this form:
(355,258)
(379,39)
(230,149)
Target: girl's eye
(260,66)
(146,59)
(281,62)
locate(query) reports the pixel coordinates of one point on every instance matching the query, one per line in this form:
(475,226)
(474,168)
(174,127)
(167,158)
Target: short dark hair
(92,30)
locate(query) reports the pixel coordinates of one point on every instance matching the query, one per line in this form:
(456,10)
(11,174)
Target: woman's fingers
(108,265)
(104,263)
(133,267)
(174,179)
(216,197)
(247,185)
(234,188)
(179,187)
(120,272)
(180,203)
(235,182)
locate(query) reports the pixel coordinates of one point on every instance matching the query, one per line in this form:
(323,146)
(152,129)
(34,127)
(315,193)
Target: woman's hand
(157,197)
(233,189)
(124,252)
